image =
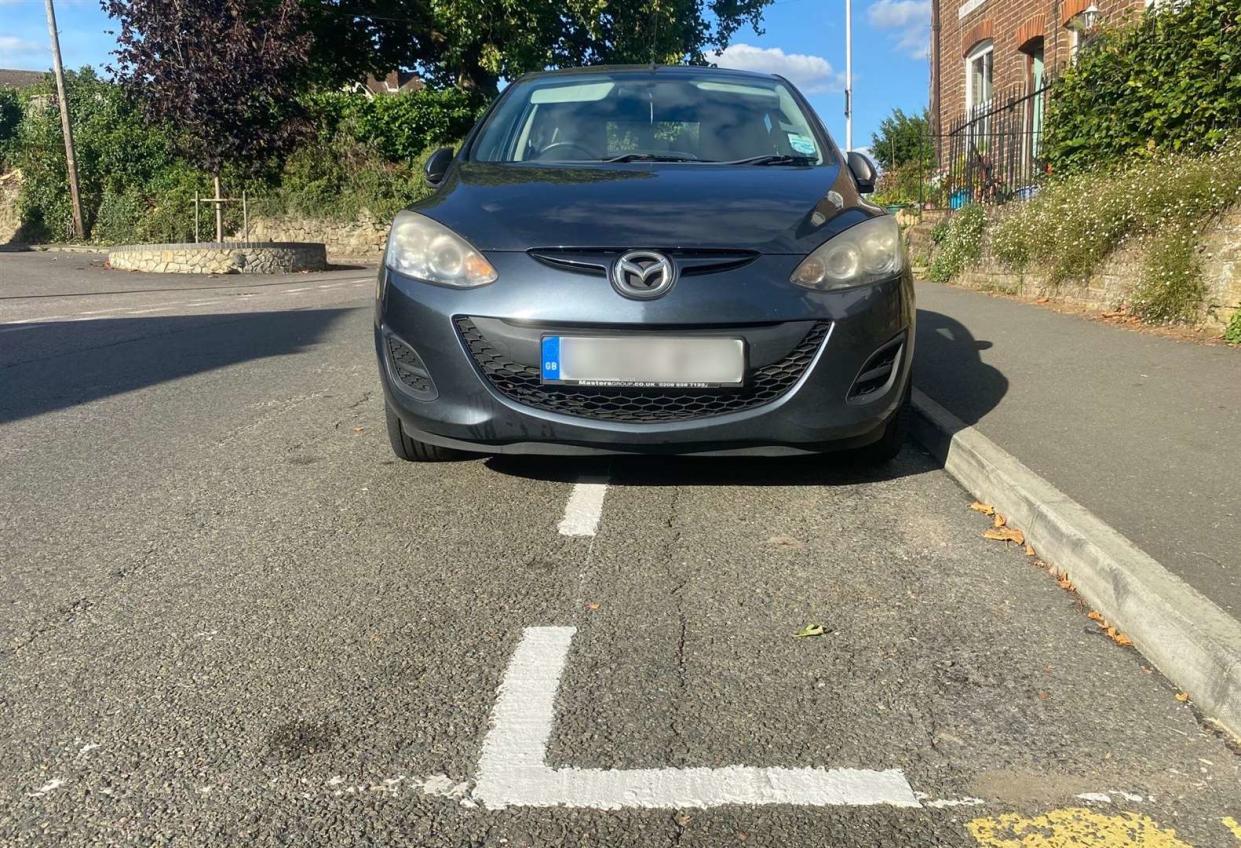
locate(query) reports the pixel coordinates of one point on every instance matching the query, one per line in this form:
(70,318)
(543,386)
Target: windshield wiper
(774,159)
(653,157)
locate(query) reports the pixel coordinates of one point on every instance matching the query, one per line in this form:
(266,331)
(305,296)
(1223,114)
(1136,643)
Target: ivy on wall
(1172,82)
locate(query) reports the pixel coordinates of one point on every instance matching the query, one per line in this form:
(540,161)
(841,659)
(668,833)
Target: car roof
(660,70)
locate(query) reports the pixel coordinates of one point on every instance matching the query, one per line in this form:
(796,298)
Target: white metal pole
(848,74)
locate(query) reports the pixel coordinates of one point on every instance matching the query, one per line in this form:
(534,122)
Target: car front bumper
(470,407)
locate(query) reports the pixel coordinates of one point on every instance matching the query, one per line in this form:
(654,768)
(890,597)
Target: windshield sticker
(803,144)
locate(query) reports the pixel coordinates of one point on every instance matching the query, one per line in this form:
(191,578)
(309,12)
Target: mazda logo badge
(643,274)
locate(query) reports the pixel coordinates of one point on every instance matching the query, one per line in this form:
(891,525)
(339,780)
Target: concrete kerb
(1186,636)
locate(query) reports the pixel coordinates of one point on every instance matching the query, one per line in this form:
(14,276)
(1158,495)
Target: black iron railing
(993,152)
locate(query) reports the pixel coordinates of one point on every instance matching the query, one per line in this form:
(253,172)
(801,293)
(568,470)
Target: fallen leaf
(1064,582)
(1043,696)
(592,606)
(999,520)
(1122,640)
(985,509)
(1029,550)
(1005,534)
(809,630)
(358,429)
(1095,615)
(1182,696)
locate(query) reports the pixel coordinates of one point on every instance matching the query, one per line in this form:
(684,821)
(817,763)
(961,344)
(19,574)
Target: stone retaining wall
(363,239)
(220,258)
(10,220)
(1110,287)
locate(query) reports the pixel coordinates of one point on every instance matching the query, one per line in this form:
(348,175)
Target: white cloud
(910,20)
(18,52)
(811,74)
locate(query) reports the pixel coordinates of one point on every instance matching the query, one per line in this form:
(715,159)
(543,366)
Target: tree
(475,43)
(224,73)
(902,139)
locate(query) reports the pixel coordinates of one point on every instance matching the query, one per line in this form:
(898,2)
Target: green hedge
(1171,82)
(10,118)
(365,155)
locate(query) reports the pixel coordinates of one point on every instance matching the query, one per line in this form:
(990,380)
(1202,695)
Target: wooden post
(195,216)
(66,127)
(245,216)
(219,212)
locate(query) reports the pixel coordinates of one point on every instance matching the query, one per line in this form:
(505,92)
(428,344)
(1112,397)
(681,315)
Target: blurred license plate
(657,361)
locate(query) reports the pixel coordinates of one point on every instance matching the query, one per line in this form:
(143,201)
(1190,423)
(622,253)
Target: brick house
(985,53)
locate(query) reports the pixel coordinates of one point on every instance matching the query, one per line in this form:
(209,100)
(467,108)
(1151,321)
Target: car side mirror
(437,166)
(864,171)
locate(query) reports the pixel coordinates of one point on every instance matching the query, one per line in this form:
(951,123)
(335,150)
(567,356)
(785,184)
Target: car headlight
(422,248)
(865,253)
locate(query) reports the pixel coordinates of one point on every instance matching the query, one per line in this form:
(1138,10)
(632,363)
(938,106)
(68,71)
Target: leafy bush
(1162,204)
(1170,83)
(343,179)
(1171,289)
(10,117)
(960,242)
(1232,334)
(904,184)
(366,156)
(121,160)
(399,127)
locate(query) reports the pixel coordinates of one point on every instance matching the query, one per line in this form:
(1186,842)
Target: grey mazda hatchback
(646,260)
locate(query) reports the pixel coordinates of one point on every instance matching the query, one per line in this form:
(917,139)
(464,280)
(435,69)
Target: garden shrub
(365,156)
(1171,288)
(122,161)
(10,117)
(399,127)
(343,179)
(959,241)
(1076,221)
(1232,333)
(1171,82)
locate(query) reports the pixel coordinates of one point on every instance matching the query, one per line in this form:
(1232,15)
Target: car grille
(522,383)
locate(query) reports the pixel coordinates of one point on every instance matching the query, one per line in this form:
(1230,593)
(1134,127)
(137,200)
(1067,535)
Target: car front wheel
(894,433)
(412,450)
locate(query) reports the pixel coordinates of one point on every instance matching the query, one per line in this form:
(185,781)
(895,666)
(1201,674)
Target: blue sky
(803,39)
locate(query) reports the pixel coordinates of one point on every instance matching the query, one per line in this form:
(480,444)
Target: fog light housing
(408,370)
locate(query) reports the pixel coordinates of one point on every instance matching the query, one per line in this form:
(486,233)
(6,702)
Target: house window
(1036,80)
(979,76)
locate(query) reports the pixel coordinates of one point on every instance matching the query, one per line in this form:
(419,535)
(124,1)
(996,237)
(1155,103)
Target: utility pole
(65,126)
(848,75)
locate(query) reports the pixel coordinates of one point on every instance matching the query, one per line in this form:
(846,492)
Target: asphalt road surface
(228,616)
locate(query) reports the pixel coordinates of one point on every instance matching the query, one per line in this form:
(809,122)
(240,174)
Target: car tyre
(412,450)
(894,432)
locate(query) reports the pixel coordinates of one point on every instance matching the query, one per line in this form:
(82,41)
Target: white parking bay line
(581,513)
(512,770)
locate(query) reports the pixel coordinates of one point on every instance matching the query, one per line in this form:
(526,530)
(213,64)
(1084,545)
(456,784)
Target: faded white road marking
(512,770)
(581,513)
(291,291)
(51,786)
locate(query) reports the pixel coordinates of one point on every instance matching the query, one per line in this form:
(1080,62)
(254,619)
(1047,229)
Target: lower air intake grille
(640,405)
(877,371)
(408,367)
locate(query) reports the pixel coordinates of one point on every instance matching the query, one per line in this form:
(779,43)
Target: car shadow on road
(948,367)
(835,469)
(59,364)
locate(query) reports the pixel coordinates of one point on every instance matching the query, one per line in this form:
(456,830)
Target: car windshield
(668,117)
